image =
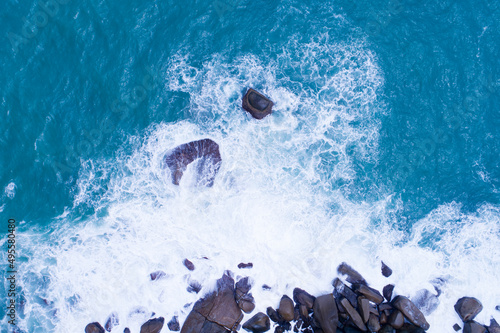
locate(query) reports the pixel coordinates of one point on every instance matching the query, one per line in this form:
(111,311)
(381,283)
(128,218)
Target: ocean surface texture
(384,144)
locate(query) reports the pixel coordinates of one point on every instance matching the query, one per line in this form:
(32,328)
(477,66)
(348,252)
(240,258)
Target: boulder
(94,328)
(386,271)
(193,323)
(387,329)
(340,289)
(387,292)
(355,316)
(242,265)
(301,297)
(410,328)
(473,327)
(246,303)
(364,308)
(126,330)
(457,327)
(173,324)
(468,308)
(426,301)
(373,323)
(189,265)
(285,309)
(206,150)
(112,321)
(153,325)
(257,104)
(351,275)
(396,319)
(211,327)
(370,293)
(273,315)
(410,311)
(325,313)
(258,323)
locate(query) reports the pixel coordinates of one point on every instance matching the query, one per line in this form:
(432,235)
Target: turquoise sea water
(385,136)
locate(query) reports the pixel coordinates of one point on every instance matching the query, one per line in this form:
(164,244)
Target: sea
(383,145)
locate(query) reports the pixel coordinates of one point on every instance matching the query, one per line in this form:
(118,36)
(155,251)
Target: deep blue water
(89,86)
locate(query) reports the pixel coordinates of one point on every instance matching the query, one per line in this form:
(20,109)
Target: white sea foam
(271,203)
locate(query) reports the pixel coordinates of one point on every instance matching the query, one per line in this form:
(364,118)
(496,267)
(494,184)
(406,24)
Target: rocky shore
(352,306)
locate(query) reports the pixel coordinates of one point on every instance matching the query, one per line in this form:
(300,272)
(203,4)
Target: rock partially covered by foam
(257,104)
(153,325)
(410,311)
(258,323)
(468,308)
(94,328)
(206,151)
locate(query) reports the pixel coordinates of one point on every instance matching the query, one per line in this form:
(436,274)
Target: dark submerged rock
(258,323)
(112,321)
(189,265)
(173,324)
(426,301)
(247,303)
(409,328)
(242,265)
(396,319)
(494,327)
(468,308)
(206,150)
(157,275)
(387,292)
(386,271)
(153,325)
(126,330)
(457,327)
(257,104)
(473,327)
(265,287)
(352,276)
(273,314)
(194,287)
(286,309)
(326,313)
(410,311)
(94,328)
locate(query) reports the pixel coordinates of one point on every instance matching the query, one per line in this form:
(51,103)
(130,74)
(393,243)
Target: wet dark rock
(243,265)
(94,328)
(189,265)
(243,286)
(206,151)
(426,301)
(173,324)
(340,289)
(410,311)
(285,308)
(373,323)
(370,293)
(302,297)
(258,323)
(373,309)
(257,104)
(194,287)
(457,327)
(396,319)
(352,276)
(494,327)
(273,314)
(383,318)
(279,329)
(387,292)
(387,329)
(385,306)
(364,308)
(157,275)
(409,328)
(211,327)
(126,330)
(350,329)
(265,287)
(386,271)
(112,321)
(193,323)
(246,303)
(497,307)
(326,313)
(286,325)
(153,325)
(355,316)
(468,308)
(473,327)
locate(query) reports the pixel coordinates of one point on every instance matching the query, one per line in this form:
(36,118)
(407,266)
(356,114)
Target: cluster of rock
(468,308)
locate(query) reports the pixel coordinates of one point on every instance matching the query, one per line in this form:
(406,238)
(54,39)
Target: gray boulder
(468,308)
(258,323)
(410,311)
(326,313)
(153,325)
